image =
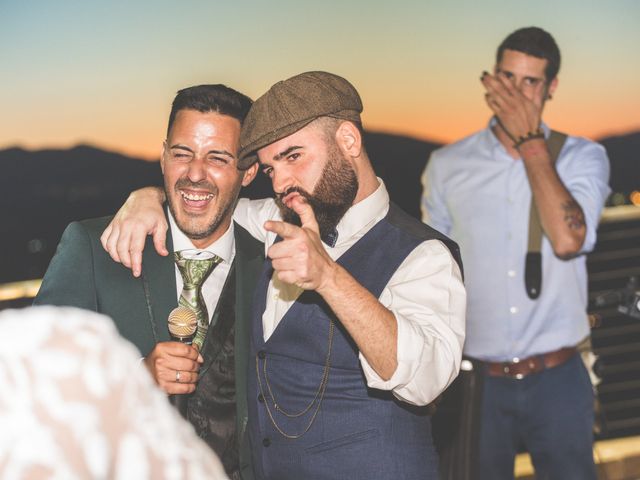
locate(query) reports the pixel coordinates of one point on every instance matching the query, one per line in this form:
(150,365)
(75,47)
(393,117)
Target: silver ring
(178,376)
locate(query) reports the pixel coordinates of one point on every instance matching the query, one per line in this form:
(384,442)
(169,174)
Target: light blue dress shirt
(480,196)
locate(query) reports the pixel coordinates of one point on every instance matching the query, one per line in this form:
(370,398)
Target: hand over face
(167,359)
(300,258)
(518,113)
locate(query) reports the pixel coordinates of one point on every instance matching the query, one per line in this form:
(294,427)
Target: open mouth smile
(196,199)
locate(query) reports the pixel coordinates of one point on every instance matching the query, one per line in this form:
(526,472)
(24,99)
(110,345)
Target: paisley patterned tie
(195,266)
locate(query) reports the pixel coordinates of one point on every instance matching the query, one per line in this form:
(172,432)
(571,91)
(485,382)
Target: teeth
(196,197)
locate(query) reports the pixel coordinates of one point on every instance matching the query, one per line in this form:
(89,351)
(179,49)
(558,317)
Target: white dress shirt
(425,294)
(224,247)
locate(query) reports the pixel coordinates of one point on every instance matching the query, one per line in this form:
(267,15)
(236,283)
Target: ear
(552,87)
(249,174)
(349,140)
(162,155)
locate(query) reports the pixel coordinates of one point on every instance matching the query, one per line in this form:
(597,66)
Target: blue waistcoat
(357,432)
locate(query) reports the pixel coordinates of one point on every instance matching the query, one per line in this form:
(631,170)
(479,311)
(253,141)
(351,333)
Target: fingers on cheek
(492,103)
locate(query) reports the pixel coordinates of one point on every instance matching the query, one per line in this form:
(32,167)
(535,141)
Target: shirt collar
(224,247)
(370,210)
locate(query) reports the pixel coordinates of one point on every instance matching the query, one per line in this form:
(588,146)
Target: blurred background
(87,87)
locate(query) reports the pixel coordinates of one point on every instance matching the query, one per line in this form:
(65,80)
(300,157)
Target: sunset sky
(105,73)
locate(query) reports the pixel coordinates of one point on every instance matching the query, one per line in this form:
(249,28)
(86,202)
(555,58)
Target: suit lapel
(249,262)
(160,287)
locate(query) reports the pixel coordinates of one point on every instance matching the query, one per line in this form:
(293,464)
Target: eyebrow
(501,70)
(215,152)
(286,152)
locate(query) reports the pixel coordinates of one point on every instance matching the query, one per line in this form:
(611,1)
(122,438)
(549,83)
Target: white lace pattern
(75,403)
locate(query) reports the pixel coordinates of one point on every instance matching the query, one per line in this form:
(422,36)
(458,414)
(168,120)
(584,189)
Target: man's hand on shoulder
(125,236)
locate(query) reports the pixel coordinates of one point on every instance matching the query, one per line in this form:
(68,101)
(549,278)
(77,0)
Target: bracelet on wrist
(538,133)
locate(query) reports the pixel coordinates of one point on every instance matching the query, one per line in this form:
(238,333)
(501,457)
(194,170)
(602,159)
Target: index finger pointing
(282,229)
(305,212)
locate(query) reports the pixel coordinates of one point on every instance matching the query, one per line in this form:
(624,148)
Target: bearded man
(359,312)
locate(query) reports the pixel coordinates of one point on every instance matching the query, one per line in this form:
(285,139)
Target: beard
(198,227)
(332,196)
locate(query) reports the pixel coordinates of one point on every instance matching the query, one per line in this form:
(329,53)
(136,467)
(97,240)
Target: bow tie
(330,238)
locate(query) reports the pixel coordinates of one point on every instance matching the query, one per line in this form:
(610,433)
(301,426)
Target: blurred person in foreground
(359,313)
(526,313)
(202,178)
(74,403)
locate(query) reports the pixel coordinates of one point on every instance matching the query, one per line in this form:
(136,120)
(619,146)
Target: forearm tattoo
(573,215)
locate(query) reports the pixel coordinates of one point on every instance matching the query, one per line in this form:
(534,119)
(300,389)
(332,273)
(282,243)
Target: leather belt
(520,368)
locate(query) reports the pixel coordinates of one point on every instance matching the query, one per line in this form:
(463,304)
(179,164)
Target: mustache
(201,185)
(288,214)
(298,190)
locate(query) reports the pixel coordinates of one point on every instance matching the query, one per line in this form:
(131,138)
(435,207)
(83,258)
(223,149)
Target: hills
(42,191)
(624,155)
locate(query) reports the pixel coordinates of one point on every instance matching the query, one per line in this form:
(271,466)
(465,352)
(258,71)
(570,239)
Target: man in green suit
(202,179)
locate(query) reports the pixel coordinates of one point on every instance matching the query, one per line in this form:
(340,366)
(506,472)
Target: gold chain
(317,399)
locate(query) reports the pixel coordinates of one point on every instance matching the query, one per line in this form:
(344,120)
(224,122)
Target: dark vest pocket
(341,442)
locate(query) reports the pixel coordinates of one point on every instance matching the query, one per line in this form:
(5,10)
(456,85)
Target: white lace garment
(75,403)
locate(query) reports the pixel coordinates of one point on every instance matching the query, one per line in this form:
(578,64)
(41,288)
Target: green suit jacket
(82,274)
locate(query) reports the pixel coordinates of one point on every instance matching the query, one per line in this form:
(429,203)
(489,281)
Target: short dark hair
(329,126)
(536,42)
(211,98)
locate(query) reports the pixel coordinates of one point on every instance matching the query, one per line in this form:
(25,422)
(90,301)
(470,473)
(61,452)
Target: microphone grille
(182,322)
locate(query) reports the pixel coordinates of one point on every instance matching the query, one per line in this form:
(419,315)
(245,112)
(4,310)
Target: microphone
(182,323)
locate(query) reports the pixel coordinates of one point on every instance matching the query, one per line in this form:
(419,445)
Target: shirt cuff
(409,352)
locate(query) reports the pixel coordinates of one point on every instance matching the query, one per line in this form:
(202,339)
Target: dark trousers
(456,427)
(549,413)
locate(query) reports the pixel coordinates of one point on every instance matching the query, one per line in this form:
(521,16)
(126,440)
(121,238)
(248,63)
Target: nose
(197,169)
(280,181)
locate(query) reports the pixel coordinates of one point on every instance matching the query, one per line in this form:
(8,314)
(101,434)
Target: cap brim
(249,154)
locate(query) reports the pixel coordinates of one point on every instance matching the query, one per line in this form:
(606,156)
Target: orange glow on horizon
(451,130)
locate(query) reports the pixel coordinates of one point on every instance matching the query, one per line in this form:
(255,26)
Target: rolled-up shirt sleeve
(584,170)
(427,297)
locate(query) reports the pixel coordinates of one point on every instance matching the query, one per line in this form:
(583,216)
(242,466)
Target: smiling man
(358,317)
(202,178)
(524,220)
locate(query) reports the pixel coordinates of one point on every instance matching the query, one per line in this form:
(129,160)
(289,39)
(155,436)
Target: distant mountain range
(42,191)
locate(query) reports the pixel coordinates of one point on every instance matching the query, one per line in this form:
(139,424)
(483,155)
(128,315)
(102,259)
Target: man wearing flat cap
(359,313)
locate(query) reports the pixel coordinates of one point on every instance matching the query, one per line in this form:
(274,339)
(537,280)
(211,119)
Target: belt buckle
(507,369)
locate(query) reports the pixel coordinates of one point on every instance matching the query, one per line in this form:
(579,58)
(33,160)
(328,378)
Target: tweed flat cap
(292,104)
